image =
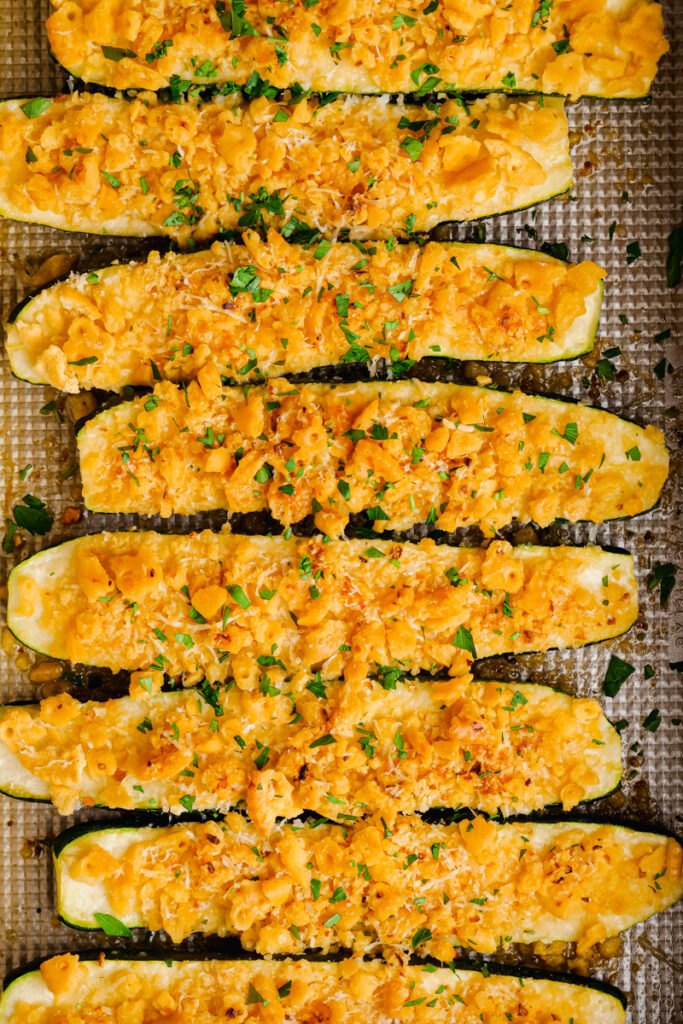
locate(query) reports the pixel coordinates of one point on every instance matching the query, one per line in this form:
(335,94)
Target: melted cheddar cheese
(211,748)
(190,170)
(575,47)
(269,308)
(351,991)
(404,453)
(409,886)
(213,605)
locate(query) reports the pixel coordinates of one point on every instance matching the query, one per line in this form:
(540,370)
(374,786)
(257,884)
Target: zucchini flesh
(603,49)
(405,453)
(124,753)
(451,299)
(229,164)
(214,604)
(219,989)
(406,883)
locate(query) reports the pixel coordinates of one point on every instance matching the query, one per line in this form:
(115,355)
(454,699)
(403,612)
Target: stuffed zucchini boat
(225,605)
(269,308)
(606,48)
(94,987)
(407,884)
(530,746)
(402,452)
(89,162)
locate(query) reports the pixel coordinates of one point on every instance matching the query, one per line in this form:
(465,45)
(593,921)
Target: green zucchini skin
(208,88)
(135,820)
(143,956)
(154,235)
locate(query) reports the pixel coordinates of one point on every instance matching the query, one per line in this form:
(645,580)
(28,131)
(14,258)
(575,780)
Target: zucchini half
(125,753)
(90,162)
(403,452)
(219,988)
(174,315)
(406,884)
(225,605)
(604,49)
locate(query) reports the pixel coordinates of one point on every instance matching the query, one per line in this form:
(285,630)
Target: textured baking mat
(628,190)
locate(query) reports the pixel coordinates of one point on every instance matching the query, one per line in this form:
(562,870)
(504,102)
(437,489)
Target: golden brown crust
(144,167)
(569,47)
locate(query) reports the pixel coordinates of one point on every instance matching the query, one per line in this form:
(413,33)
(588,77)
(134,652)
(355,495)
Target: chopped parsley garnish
(33,515)
(238,596)
(663,576)
(652,721)
(420,936)
(36,107)
(116,53)
(463,640)
(633,252)
(323,741)
(618,672)
(231,17)
(111,925)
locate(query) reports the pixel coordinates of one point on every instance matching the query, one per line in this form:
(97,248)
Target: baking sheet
(627,159)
